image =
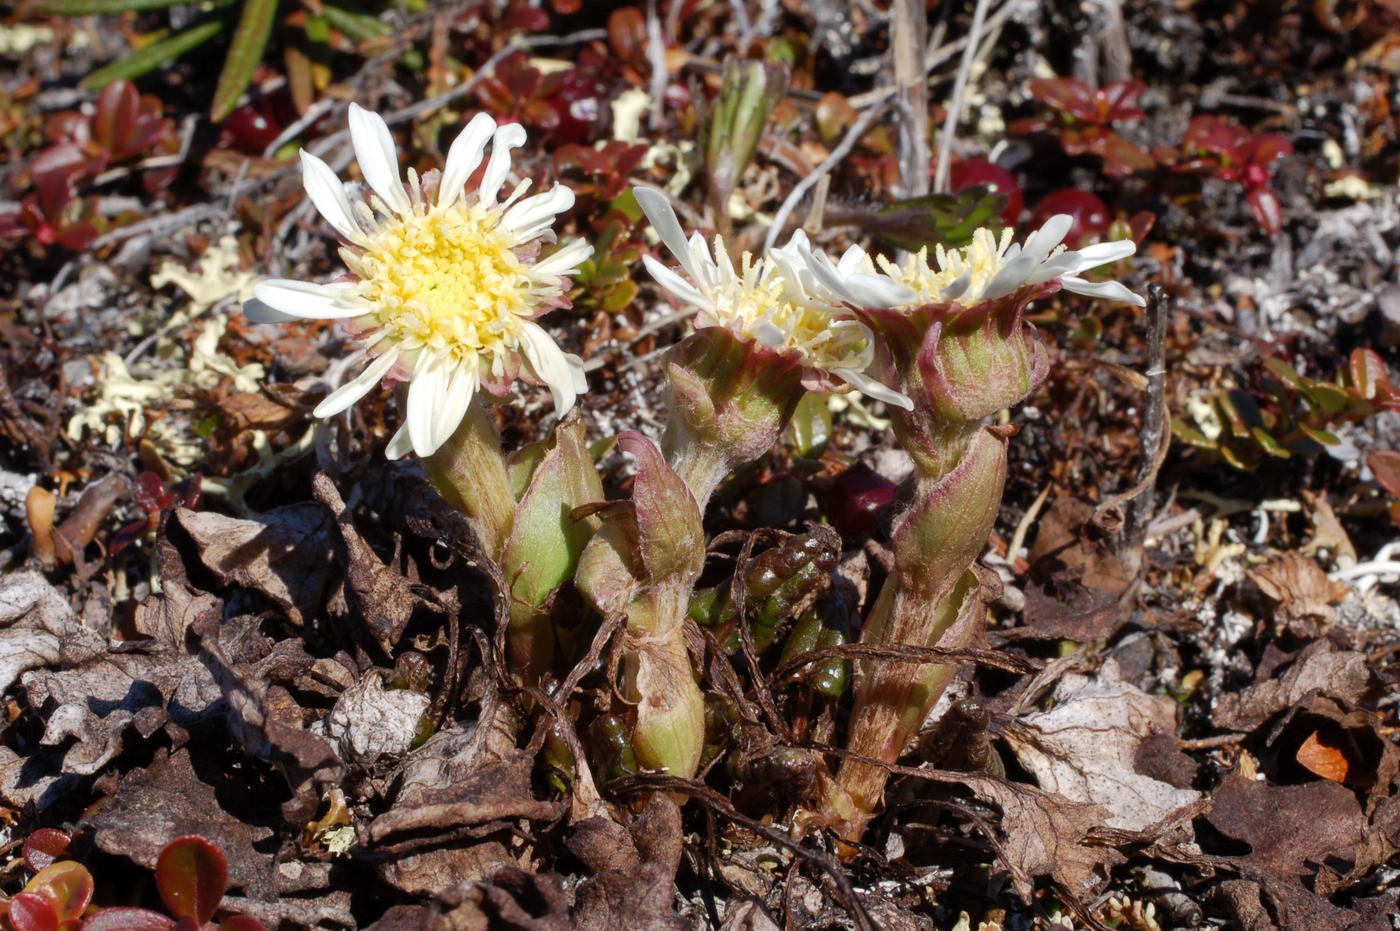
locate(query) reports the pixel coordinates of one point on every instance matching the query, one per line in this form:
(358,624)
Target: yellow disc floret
(980,260)
(760,304)
(444,279)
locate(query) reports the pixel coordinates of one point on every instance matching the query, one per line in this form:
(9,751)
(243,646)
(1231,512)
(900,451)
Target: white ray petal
(463,157)
(675,283)
(308,301)
(399,445)
(1012,276)
(425,395)
(1066,263)
(662,215)
(566,260)
(549,363)
(539,210)
(457,397)
(580,374)
(1102,253)
(958,286)
(1107,290)
(379,161)
(872,388)
(258,312)
(347,394)
(328,194)
(1048,236)
(510,136)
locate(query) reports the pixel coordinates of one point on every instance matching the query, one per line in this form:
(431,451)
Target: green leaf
(102,7)
(1270,445)
(545,542)
(1320,436)
(810,428)
(153,56)
(244,54)
(358,26)
(920,222)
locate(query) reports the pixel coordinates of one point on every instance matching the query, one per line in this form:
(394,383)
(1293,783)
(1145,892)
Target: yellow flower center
(982,257)
(757,301)
(444,280)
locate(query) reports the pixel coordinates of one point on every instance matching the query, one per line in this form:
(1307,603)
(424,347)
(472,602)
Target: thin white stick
(950,123)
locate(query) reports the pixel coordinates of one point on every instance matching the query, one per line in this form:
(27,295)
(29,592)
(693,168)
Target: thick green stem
(469,471)
(931,600)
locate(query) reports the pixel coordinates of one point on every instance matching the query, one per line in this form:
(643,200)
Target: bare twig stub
(950,122)
(909,39)
(1156,439)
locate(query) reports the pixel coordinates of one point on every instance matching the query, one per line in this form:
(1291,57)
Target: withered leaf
(369,721)
(1043,834)
(380,595)
(634,870)
(40,628)
(1319,669)
(1084,747)
(284,553)
(167,800)
(1305,598)
(1291,830)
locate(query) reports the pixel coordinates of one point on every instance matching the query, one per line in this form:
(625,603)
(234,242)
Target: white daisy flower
(775,302)
(444,290)
(988,268)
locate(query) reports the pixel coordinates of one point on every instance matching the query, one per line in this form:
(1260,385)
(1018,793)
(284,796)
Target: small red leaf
(45,846)
(66,885)
(191,874)
(128,919)
(241,923)
(1385,463)
(32,912)
(1368,374)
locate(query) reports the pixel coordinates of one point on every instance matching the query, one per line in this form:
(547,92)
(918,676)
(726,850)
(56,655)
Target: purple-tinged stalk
(444,289)
(961,352)
(766,333)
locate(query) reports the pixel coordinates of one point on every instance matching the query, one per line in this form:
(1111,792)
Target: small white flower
(445,291)
(988,268)
(776,302)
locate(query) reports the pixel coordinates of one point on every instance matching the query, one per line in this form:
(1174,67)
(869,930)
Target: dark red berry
(973,171)
(251,129)
(1089,212)
(857,497)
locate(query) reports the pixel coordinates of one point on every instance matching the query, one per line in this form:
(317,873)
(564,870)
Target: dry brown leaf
(1320,669)
(1083,748)
(284,553)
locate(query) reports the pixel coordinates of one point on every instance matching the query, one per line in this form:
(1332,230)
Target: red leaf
(45,846)
(1385,463)
(191,874)
(1067,95)
(128,919)
(627,33)
(32,912)
(1369,374)
(117,116)
(66,885)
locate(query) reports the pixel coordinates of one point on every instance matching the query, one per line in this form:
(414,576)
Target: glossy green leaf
(1269,444)
(244,54)
(153,56)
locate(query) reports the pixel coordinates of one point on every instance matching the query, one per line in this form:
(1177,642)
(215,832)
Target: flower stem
(469,471)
